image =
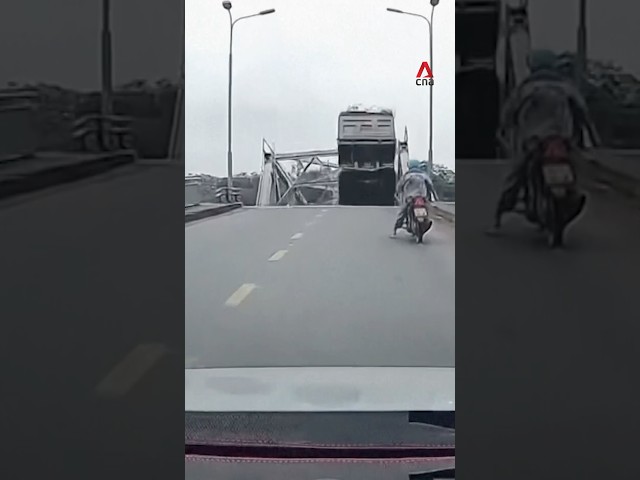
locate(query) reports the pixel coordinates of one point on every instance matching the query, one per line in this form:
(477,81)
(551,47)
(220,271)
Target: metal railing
(103,133)
(278,187)
(227,195)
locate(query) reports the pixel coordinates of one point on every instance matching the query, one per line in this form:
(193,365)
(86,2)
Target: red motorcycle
(552,198)
(418,221)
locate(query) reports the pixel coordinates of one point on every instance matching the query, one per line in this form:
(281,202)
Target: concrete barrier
(192,194)
(205,210)
(20,178)
(616,172)
(18,136)
(446,210)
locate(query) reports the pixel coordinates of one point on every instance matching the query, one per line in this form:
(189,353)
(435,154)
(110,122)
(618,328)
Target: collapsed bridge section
(368,165)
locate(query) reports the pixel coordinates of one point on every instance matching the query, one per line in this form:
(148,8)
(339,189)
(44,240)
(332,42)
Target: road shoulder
(616,172)
(205,210)
(446,211)
(50,169)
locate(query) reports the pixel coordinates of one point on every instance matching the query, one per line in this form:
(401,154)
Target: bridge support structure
(280,186)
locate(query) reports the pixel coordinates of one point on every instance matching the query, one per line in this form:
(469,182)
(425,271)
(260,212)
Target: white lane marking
(297,236)
(130,370)
(309,224)
(239,295)
(278,255)
(319,215)
(324,210)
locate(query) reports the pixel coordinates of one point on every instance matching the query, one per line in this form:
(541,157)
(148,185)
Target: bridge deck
(343,294)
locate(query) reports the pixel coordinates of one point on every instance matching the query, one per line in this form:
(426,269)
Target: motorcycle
(551,197)
(418,221)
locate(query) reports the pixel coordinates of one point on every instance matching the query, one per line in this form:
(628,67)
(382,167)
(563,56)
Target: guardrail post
(110,132)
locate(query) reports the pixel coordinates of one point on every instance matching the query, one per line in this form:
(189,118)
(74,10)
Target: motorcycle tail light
(556,150)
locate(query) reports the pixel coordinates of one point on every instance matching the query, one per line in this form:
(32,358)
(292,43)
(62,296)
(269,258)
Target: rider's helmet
(542,60)
(414,166)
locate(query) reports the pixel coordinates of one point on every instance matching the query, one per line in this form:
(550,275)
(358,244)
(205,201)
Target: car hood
(312,389)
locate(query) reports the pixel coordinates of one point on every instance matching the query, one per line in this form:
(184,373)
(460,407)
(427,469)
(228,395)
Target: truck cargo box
(366,153)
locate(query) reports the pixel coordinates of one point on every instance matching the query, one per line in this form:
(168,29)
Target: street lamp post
(433,7)
(581,50)
(176,141)
(430,23)
(227,6)
(107,75)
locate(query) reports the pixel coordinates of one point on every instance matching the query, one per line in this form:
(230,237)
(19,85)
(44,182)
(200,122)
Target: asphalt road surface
(312,286)
(91,369)
(551,333)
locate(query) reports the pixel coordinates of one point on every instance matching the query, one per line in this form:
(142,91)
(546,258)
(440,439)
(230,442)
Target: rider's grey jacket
(543,105)
(415,184)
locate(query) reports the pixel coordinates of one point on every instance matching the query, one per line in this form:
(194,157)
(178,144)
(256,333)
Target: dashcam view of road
(561,322)
(83,152)
(311,274)
(322,277)
(309,260)
(608,172)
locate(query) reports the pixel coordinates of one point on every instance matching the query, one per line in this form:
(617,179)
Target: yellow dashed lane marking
(240,295)
(278,255)
(130,370)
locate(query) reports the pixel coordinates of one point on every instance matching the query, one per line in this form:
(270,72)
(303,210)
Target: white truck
(367,148)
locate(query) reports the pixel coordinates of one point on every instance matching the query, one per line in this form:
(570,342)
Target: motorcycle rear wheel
(555,225)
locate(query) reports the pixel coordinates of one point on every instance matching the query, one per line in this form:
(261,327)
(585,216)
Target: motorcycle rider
(545,104)
(415,183)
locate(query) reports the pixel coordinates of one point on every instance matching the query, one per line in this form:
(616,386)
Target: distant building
(19,129)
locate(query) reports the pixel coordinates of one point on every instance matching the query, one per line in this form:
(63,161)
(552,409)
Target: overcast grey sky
(58,41)
(295,70)
(612,29)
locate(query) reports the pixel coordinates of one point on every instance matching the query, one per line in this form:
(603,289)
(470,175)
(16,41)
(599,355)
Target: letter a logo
(425,67)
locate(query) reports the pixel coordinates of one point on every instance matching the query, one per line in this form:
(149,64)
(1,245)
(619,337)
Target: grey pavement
(201,207)
(623,161)
(87,316)
(46,160)
(448,207)
(20,175)
(619,169)
(343,294)
(566,320)
(205,210)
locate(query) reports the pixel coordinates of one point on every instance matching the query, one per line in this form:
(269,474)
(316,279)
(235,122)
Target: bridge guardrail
(103,133)
(226,195)
(446,213)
